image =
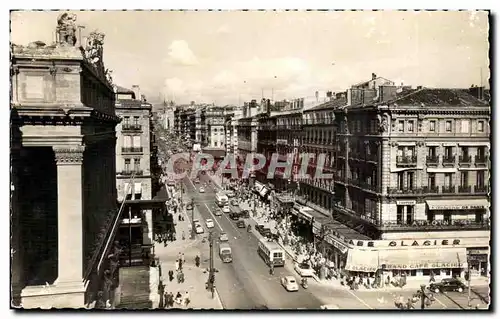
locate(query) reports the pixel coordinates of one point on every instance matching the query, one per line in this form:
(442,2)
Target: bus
(221,199)
(271,252)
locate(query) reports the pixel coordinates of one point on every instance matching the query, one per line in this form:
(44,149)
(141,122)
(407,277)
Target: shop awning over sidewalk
(428,258)
(461,204)
(157,202)
(362,260)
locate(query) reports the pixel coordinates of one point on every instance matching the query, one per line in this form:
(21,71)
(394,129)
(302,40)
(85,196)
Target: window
(447,179)
(126,120)
(410,126)
(136,141)
(410,212)
(137,164)
(481,152)
(448,126)
(400,214)
(426,272)
(464,178)
(431,150)
(127,164)
(432,126)
(410,180)
(127,141)
(431,180)
(410,151)
(401,126)
(136,120)
(448,151)
(480,126)
(465,151)
(480,178)
(215,143)
(447,216)
(400,152)
(401,180)
(465,126)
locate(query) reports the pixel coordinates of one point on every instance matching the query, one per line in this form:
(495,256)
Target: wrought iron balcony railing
(132,150)
(406,160)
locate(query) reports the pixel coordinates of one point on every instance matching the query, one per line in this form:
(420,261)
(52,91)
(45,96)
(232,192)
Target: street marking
(442,304)
(360,300)
(214,217)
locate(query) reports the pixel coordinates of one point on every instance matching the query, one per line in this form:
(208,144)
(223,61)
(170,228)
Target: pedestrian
(177,265)
(170,275)
(180,264)
(183,258)
(186,299)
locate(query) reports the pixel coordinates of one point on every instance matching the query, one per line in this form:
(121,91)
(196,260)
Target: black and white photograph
(250,160)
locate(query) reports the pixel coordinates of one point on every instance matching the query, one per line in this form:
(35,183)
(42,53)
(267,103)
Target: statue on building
(383,124)
(66,29)
(94,49)
(108,73)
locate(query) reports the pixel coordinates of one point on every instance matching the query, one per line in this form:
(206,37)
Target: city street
(245,283)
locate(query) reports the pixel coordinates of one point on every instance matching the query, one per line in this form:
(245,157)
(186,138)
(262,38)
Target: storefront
(301,220)
(439,257)
(464,210)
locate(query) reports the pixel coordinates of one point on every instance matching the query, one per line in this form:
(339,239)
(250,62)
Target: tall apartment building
(412,172)
(133,163)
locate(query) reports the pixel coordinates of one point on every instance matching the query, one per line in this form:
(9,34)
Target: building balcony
(406,160)
(430,189)
(480,189)
(434,225)
(404,190)
(131,127)
(132,150)
(481,160)
(130,172)
(449,160)
(371,157)
(432,160)
(448,189)
(464,189)
(465,160)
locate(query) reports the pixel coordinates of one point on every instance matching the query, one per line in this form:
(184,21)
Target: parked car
(448,284)
(218,212)
(202,189)
(210,223)
(235,202)
(189,206)
(226,209)
(197,181)
(266,232)
(223,237)
(245,214)
(259,227)
(304,269)
(230,194)
(199,229)
(240,224)
(289,283)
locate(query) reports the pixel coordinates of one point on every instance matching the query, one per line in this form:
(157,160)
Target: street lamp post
(192,219)
(211,272)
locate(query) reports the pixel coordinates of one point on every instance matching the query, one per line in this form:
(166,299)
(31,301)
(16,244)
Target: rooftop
(438,97)
(332,104)
(132,104)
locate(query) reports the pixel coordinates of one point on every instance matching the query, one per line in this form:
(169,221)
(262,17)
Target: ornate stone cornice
(70,155)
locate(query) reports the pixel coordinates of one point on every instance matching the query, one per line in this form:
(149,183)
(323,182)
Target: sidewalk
(195,277)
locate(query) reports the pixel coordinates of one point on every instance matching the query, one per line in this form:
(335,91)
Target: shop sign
(424,265)
(477,251)
(405,243)
(406,202)
(343,248)
(362,268)
(457,207)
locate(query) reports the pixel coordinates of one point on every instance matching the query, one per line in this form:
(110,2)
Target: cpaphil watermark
(294,166)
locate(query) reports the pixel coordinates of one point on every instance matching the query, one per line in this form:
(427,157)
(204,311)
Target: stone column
(70,213)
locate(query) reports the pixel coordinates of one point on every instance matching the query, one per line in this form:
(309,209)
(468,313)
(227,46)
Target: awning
(445,204)
(127,188)
(304,213)
(362,260)
(137,188)
(423,258)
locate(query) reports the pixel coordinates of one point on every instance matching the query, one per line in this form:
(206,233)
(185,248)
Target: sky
(233,56)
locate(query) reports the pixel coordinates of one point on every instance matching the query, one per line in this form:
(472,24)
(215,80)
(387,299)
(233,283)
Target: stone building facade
(412,166)
(133,162)
(63,201)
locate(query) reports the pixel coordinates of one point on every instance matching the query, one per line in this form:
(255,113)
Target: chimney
(317,96)
(349,96)
(419,87)
(137,91)
(374,76)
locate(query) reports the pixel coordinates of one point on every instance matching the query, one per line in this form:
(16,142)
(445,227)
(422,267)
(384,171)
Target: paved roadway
(246,283)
